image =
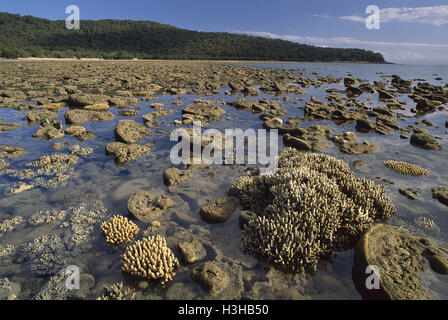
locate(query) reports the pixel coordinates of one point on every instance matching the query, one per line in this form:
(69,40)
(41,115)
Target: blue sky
(412,31)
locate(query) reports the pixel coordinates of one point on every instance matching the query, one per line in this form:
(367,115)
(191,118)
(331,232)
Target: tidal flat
(84,142)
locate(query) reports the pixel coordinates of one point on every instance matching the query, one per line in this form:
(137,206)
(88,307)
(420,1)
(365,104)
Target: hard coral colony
(312,205)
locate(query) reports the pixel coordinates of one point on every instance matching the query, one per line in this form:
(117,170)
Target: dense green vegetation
(27,36)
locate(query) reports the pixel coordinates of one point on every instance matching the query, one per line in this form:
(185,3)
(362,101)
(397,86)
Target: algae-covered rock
(211,277)
(219,210)
(146,207)
(175,176)
(399,257)
(441,194)
(81,116)
(129,131)
(191,251)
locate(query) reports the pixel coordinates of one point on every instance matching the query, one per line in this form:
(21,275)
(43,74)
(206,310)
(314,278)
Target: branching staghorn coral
(312,205)
(117,292)
(150,258)
(406,168)
(119,230)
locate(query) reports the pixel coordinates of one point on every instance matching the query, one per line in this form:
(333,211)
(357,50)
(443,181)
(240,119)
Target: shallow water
(98,178)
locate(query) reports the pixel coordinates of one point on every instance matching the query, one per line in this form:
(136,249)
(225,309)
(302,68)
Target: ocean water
(98,178)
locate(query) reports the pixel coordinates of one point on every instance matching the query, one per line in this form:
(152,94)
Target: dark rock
(425,141)
(441,194)
(364,125)
(174,176)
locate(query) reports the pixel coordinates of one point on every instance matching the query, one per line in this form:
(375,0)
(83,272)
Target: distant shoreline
(180,60)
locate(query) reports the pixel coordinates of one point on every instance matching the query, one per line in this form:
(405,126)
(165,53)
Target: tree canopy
(27,36)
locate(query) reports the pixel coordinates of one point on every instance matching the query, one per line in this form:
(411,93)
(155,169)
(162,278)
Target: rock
(191,251)
(174,176)
(399,257)
(3,164)
(12,152)
(97,107)
(297,143)
(425,141)
(76,131)
(385,95)
(50,129)
(350,81)
(250,91)
(81,116)
(348,145)
(245,217)
(364,125)
(59,145)
(35,116)
(157,106)
(80,152)
(205,111)
(441,194)
(8,126)
(273,123)
(129,131)
(211,277)
(219,210)
(409,193)
(125,153)
(446,124)
(82,100)
(146,207)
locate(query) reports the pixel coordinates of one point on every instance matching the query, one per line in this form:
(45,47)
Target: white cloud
(402,52)
(436,15)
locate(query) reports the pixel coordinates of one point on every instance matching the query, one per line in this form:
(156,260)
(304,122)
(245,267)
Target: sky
(410,31)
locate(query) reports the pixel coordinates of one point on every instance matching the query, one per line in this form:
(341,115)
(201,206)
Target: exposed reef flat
(85,144)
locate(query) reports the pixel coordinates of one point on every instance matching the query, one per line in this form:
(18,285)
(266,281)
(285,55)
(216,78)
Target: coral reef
(150,258)
(117,292)
(119,230)
(406,168)
(313,204)
(8,225)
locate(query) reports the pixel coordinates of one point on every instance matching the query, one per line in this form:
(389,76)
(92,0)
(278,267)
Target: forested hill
(27,36)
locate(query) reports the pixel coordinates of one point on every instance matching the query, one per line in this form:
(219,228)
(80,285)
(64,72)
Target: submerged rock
(191,251)
(174,176)
(8,126)
(211,277)
(441,194)
(425,141)
(219,210)
(146,207)
(399,257)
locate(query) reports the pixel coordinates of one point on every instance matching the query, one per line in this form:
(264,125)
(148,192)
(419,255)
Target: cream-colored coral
(406,168)
(119,230)
(117,292)
(313,204)
(150,258)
